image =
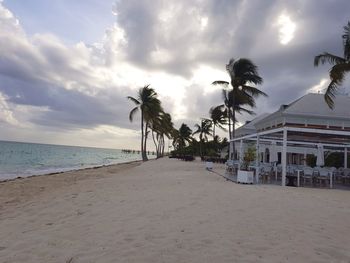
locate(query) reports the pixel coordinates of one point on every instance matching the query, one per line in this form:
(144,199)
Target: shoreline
(67,171)
(14,192)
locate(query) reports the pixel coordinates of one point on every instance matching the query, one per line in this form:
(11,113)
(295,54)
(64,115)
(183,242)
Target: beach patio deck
(304,127)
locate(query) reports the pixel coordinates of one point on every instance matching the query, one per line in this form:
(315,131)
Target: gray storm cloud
(85,85)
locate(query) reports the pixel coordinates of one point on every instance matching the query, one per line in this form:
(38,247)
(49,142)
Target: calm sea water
(25,159)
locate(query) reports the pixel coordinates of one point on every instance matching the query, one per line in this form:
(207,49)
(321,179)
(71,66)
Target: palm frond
(198,129)
(133,100)
(346,41)
(328,58)
(241,109)
(221,82)
(206,121)
(337,72)
(330,94)
(222,127)
(243,97)
(252,78)
(254,92)
(132,113)
(230,65)
(219,107)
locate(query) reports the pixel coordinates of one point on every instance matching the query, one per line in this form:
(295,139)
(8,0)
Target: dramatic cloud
(54,91)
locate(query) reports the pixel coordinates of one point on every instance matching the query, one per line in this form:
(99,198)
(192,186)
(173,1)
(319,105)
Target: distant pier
(136,152)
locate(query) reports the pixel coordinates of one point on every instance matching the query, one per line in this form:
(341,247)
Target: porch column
(345,157)
(257,159)
(284,157)
(240,154)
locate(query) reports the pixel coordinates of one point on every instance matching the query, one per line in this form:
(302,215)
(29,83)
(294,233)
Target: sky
(66,67)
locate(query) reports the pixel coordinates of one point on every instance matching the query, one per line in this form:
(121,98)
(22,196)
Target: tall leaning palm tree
(149,106)
(340,66)
(161,126)
(204,130)
(243,73)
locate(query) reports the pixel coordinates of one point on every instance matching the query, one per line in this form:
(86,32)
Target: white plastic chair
(265,173)
(323,176)
(308,174)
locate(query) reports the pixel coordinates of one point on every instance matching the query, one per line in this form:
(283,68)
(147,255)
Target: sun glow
(286,29)
(204,22)
(319,87)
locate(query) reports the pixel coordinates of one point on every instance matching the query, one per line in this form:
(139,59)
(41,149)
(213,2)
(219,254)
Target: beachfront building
(306,127)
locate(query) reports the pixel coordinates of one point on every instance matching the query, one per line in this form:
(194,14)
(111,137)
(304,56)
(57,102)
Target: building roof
(305,122)
(249,127)
(310,107)
(313,104)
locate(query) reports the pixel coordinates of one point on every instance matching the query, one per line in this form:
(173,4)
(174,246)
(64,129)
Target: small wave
(111,158)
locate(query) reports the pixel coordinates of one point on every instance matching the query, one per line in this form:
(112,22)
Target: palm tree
(218,118)
(340,66)
(182,136)
(149,106)
(243,73)
(161,126)
(204,129)
(227,107)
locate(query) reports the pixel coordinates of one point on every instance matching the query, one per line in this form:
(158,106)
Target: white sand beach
(168,211)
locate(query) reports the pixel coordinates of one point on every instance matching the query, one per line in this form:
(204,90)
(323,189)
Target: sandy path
(173,211)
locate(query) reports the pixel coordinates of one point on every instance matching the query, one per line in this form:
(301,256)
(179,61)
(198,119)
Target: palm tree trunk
(158,148)
(230,157)
(213,131)
(159,153)
(144,154)
(163,145)
(232,143)
(160,145)
(142,135)
(155,143)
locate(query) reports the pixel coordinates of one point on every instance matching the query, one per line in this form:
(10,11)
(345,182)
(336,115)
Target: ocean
(18,159)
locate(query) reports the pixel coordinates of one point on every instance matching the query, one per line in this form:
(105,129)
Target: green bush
(335,159)
(311,160)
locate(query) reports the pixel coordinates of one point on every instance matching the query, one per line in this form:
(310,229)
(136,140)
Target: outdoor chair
(274,169)
(324,176)
(266,172)
(308,175)
(279,171)
(339,175)
(291,169)
(346,176)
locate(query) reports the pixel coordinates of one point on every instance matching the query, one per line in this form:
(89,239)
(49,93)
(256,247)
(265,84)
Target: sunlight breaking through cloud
(286,29)
(204,22)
